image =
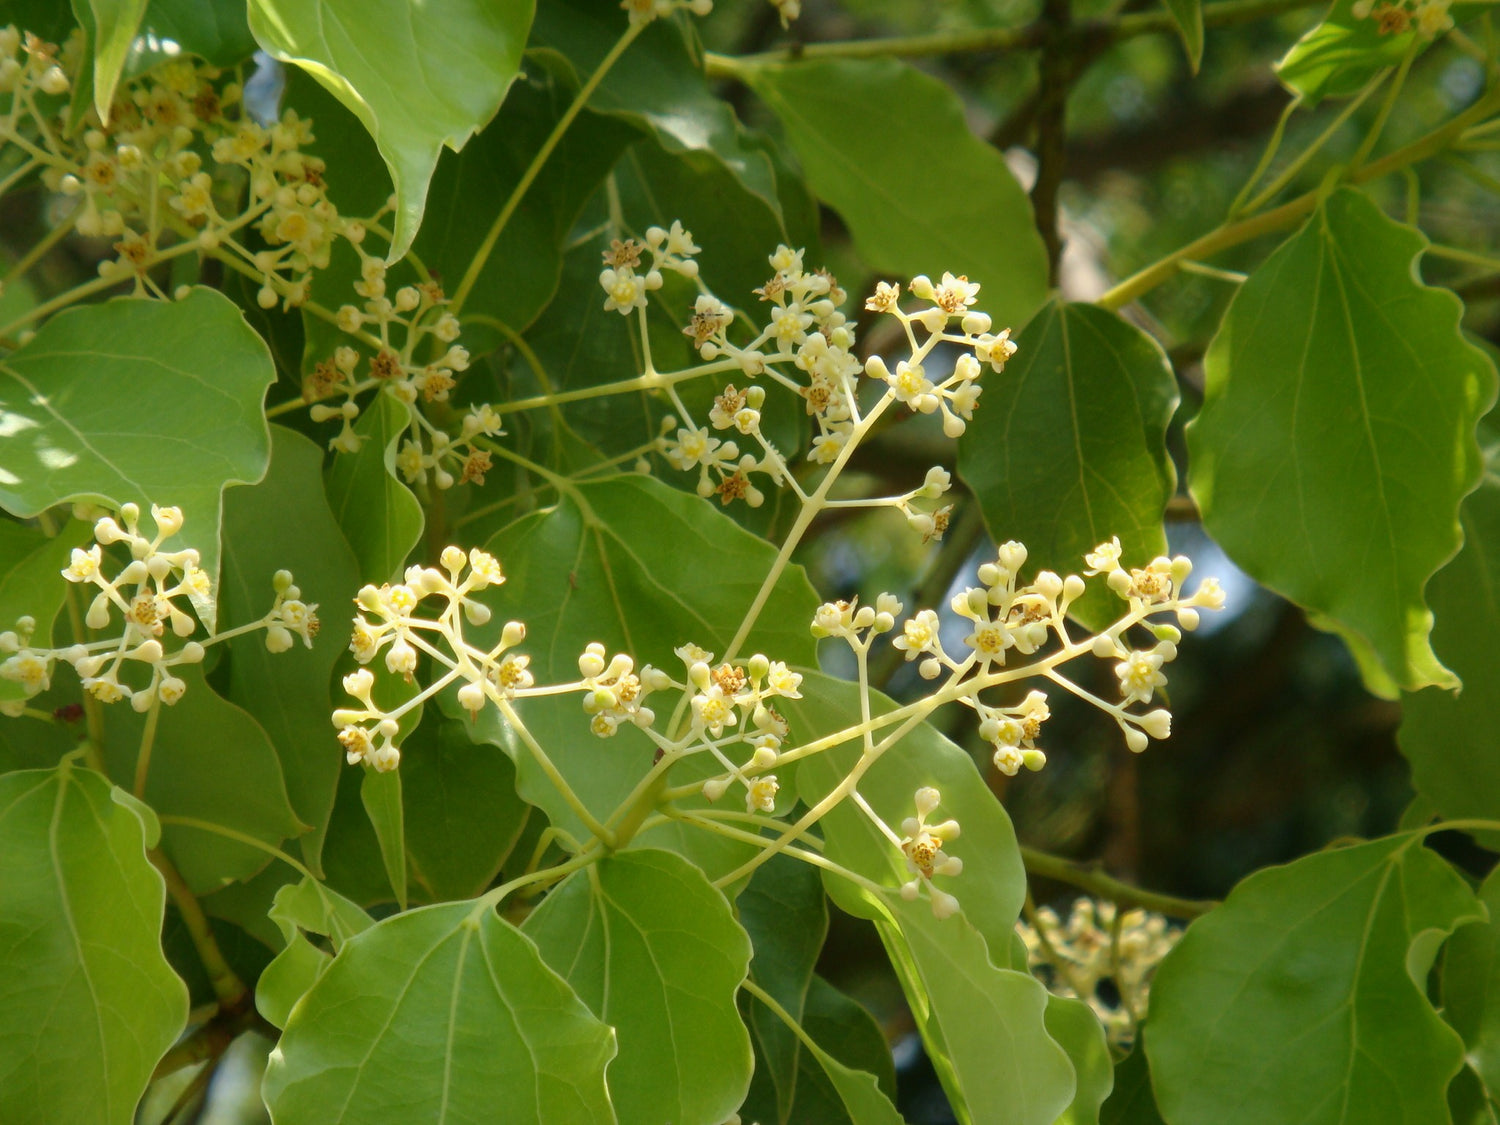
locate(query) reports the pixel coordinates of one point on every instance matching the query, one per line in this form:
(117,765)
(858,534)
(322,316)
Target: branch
(1030,37)
(1093,878)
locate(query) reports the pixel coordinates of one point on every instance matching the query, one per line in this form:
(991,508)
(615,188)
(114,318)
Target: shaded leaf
(380,793)
(214,30)
(462,813)
(379,516)
(1188,16)
(288,691)
(311,907)
(653,949)
(1451,738)
(1307,971)
(657,84)
(1471,988)
(1132,1102)
(138,401)
(31,584)
(1077,1030)
(211,762)
(417,80)
(88,1003)
(1336,437)
(983,227)
(1076,423)
(441,1013)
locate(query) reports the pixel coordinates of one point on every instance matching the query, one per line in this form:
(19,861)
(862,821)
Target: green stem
(1294,169)
(228,988)
(236,835)
(35,254)
(1386,105)
(148,742)
(1273,146)
(1233,234)
(1092,878)
(554,775)
(482,255)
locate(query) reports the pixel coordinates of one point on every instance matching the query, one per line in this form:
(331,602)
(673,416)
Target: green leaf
(966,214)
(984,1027)
(288,691)
(150,402)
(88,1003)
(1340,54)
(1306,972)
(214,30)
(112,26)
(786,915)
(607,565)
(380,517)
(1077,1030)
(306,906)
(1336,437)
(1132,1102)
(380,793)
(1471,988)
(1450,738)
(461,810)
(211,763)
(1077,423)
(654,951)
(657,84)
(441,1013)
(854,1086)
(470,186)
(1188,16)
(416,79)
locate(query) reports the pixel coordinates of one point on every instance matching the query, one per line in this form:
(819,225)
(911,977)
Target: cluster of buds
(956,395)
(393,330)
(142,179)
(626,282)
(155,591)
(1011,619)
(1396,17)
(387,620)
(1098,944)
(644,11)
(922,845)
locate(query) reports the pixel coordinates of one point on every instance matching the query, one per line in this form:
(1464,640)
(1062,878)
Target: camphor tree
(406,657)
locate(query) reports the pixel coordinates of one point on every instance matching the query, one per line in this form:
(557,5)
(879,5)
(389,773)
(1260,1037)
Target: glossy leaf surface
(653,949)
(1310,970)
(135,401)
(417,79)
(440,1014)
(1340,408)
(88,1003)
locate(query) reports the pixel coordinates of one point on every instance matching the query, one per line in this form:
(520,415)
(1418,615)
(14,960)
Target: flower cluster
(922,845)
(1097,944)
(387,621)
(1011,619)
(1395,17)
(177,163)
(155,591)
(394,330)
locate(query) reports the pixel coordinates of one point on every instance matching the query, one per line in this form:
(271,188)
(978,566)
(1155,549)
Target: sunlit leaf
(653,949)
(1336,437)
(136,401)
(1310,970)
(1340,54)
(444,1013)
(88,1003)
(416,79)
